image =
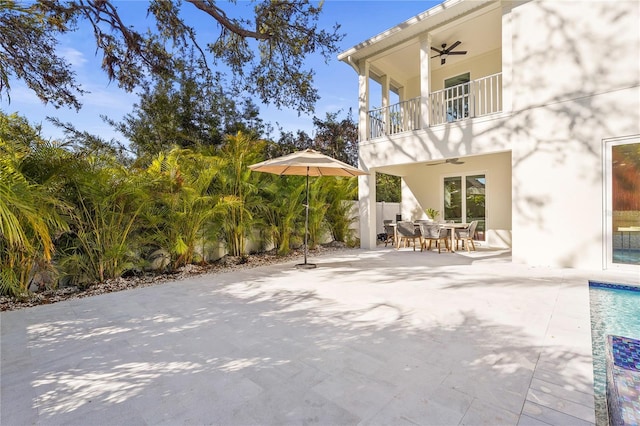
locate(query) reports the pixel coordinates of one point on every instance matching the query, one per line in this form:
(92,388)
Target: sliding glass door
(465,200)
(453,198)
(622,180)
(475,206)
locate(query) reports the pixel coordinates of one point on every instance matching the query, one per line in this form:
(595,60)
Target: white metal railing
(487,95)
(397,118)
(450,104)
(472,99)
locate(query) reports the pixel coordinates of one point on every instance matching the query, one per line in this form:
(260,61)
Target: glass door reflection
(625,203)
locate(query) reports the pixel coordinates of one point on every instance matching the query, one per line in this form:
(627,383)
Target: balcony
(475,98)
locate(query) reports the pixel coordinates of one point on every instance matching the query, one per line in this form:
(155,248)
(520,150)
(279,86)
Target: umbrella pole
(306,229)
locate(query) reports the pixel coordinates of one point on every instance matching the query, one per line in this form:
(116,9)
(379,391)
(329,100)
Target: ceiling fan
(455,161)
(446,51)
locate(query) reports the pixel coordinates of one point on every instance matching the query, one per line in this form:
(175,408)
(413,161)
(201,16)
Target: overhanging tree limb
(285,31)
(219,15)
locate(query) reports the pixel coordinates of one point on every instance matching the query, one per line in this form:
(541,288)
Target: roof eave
(431,18)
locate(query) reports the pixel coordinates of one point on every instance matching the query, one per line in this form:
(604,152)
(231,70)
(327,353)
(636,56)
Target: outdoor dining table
(453,227)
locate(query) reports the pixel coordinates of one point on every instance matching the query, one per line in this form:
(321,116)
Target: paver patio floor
(369,337)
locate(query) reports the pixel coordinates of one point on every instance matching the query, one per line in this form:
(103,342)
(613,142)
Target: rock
(43,277)
(190,269)
(158,260)
(335,244)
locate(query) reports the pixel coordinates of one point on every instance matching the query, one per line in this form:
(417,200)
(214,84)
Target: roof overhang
(431,19)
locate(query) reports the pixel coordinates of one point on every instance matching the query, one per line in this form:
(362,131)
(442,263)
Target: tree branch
(219,15)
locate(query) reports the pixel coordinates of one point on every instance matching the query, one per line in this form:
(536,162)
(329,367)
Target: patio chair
(406,231)
(390,232)
(433,232)
(466,235)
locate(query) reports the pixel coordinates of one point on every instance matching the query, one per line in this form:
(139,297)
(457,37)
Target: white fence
(384,211)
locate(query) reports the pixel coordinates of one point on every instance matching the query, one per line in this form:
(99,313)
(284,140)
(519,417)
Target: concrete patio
(369,337)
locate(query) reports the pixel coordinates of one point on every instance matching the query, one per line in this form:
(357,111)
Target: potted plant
(432,213)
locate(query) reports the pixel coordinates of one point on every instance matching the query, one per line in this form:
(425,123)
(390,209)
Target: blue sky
(337,82)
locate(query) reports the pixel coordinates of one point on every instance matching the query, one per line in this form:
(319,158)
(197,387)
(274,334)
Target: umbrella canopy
(307,163)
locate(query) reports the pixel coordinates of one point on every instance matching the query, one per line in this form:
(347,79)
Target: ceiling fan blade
(461,52)
(437,50)
(453,46)
(442,61)
(435,56)
(455,161)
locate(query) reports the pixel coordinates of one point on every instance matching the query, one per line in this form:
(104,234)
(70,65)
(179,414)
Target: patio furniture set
(427,232)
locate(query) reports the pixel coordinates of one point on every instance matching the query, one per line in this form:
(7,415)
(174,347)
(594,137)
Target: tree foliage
(108,200)
(337,138)
(82,215)
(339,214)
(189,111)
(29,211)
(182,202)
(264,52)
(28,52)
(282,210)
(388,188)
(238,189)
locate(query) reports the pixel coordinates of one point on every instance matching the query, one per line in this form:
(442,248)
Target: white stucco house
(507,112)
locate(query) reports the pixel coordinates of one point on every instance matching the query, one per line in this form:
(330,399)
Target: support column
(425,79)
(363,101)
(385,104)
(405,114)
(507,58)
(367,205)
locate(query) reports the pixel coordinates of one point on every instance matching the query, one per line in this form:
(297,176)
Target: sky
(337,82)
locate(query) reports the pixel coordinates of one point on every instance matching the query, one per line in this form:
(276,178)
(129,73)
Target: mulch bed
(226,264)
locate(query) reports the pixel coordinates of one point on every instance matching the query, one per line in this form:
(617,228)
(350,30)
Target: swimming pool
(615,309)
(628,256)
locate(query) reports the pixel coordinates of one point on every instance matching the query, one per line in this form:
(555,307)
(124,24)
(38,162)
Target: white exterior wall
(575,81)
(423,186)
(412,88)
(477,67)
(571,76)
(384,211)
(477,136)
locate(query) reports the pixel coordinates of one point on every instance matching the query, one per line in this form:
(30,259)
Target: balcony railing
(472,99)
(398,118)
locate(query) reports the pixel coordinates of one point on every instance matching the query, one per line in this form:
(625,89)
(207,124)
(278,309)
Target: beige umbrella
(307,163)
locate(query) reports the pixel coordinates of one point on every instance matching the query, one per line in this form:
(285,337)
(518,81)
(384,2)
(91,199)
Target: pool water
(613,311)
(628,256)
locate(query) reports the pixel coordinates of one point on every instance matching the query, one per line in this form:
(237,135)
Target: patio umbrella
(307,163)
